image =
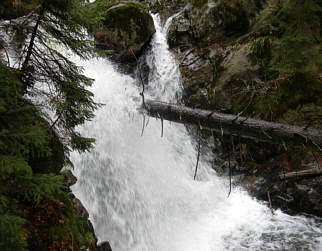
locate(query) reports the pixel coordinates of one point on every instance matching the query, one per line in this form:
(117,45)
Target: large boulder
(127,28)
(211,70)
(221,78)
(238,78)
(206,22)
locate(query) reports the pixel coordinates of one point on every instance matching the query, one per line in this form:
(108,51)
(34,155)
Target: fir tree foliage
(37,77)
(12,233)
(21,131)
(39,44)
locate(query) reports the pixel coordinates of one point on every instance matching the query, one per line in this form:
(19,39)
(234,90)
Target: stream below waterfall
(139,190)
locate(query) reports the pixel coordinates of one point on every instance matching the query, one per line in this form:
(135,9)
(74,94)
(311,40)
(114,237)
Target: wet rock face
(197,74)
(213,21)
(105,246)
(81,212)
(219,78)
(127,28)
(165,8)
(214,74)
(236,81)
(217,20)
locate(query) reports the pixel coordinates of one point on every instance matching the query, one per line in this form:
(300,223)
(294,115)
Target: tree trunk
(302,174)
(246,127)
(29,51)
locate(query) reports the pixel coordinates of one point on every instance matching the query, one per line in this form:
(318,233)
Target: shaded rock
(212,21)
(90,240)
(216,21)
(293,195)
(69,178)
(238,79)
(180,33)
(165,8)
(221,78)
(197,75)
(79,210)
(127,28)
(217,75)
(14,9)
(105,246)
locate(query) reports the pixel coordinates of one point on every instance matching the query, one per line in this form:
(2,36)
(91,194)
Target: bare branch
(198,156)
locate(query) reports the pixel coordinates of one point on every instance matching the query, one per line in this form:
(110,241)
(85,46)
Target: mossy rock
(127,28)
(237,77)
(166,8)
(180,34)
(216,21)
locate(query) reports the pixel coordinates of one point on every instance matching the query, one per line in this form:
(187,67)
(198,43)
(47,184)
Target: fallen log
(246,127)
(301,174)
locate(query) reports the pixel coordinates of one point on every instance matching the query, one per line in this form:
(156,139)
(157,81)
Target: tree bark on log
(246,127)
(301,174)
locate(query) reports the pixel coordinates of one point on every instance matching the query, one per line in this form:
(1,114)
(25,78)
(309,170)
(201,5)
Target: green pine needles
(36,76)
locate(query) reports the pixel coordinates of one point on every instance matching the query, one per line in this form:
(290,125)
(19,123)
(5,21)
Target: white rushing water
(139,190)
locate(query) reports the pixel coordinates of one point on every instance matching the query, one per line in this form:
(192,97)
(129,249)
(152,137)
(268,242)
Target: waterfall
(139,190)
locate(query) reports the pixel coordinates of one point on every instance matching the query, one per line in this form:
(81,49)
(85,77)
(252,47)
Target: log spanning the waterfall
(301,174)
(259,130)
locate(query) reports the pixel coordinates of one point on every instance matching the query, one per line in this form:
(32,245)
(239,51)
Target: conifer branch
(31,45)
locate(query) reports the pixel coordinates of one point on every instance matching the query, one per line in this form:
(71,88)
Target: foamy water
(139,190)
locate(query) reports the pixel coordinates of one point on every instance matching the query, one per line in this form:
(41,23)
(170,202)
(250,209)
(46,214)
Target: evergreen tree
(35,42)
(35,212)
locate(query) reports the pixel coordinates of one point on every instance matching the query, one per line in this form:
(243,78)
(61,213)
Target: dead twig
(284,145)
(265,133)
(143,124)
(55,121)
(161,127)
(270,202)
(317,146)
(316,160)
(198,156)
(230,169)
(141,79)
